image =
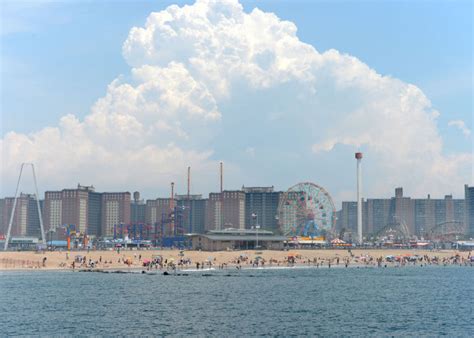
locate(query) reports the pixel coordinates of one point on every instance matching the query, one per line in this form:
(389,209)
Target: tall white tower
(358,157)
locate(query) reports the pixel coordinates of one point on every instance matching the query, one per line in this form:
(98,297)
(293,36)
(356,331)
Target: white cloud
(209,79)
(461,125)
(135,134)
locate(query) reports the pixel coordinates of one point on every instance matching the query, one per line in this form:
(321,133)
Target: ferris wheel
(306,209)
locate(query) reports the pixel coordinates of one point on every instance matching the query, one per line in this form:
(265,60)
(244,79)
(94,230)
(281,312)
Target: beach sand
(27,260)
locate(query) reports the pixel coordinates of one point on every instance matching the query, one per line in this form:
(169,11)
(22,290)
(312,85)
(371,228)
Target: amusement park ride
(73,234)
(43,238)
(447,231)
(307,210)
(171,228)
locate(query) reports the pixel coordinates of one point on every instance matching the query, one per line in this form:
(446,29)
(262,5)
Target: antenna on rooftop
(222,176)
(189,182)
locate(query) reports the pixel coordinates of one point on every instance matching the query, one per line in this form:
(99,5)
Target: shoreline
(142,270)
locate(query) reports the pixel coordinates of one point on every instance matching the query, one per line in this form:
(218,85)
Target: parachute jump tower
(43,238)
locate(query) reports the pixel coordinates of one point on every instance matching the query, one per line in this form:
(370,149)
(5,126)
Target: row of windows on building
(420,216)
(99,212)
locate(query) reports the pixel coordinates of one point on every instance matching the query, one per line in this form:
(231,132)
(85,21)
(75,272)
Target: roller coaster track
(447,230)
(398,230)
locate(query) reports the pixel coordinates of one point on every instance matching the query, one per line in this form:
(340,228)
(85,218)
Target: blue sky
(59,57)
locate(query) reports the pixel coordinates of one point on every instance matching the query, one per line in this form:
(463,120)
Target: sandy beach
(57,260)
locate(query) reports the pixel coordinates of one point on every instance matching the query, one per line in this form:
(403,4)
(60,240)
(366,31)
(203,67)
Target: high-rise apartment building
(261,205)
(68,206)
(3,229)
(89,211)
(348,217)
(191,213)
(94,216)
(138,212)
(424,215)
(469,209)
(430,213)
(137,209)
(25,221)
(115,211)
(75,208)
(226,210)
(19,222)
(404,212)
(376,214)
(214,219)
(33,227)
(420,216)
(53,207)
(159,213)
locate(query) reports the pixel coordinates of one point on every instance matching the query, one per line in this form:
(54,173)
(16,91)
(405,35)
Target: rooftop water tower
(136,197)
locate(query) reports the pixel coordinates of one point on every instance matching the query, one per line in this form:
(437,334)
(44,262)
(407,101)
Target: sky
(125,95)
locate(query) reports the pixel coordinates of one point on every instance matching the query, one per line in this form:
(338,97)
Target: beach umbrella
(258,257)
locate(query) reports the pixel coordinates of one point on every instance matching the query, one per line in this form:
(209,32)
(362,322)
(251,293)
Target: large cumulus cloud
(210,82)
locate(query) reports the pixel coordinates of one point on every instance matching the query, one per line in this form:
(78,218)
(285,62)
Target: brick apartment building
(226,210)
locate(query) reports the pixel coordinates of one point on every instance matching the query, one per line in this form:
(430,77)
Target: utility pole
(221,218)
(257,226)
(172,215)
(358,156)
(190,220)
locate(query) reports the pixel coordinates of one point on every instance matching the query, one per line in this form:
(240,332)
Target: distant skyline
(112,95)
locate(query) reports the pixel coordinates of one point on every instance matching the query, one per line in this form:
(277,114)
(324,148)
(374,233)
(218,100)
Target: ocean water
(409,301)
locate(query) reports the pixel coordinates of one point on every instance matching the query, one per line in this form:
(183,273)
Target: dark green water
(413,301)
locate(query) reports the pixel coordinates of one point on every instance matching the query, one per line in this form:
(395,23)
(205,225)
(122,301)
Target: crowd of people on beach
(13,263)
(137,260)
(292,260)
